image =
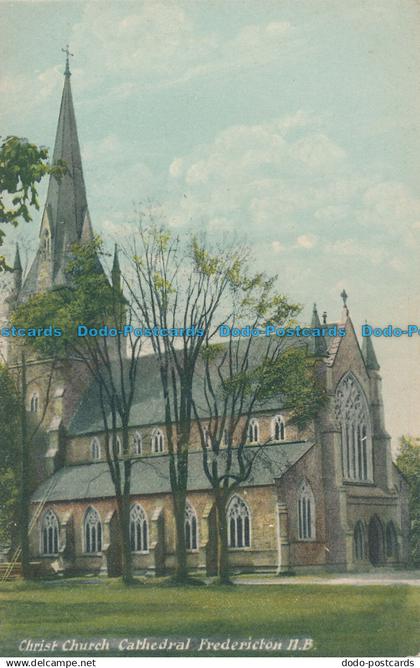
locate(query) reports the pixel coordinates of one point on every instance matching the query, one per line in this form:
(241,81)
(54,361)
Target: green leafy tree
(237,378)
(22,166)
(9,458)
(88,298)
(408,461)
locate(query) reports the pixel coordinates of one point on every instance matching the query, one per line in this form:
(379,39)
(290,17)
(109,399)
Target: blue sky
(293,123)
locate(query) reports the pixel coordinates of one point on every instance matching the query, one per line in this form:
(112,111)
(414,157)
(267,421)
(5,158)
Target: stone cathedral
(332,497)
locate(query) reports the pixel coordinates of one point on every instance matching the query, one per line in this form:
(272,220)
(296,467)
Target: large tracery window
(49,528)
(239,523)
(139,533)
(353,416)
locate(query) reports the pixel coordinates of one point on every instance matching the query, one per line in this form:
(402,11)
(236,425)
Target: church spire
(116,271)
(65,220)
(17,271)
(369,354)
(317,345)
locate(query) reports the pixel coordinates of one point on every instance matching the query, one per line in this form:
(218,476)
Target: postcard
(209,331)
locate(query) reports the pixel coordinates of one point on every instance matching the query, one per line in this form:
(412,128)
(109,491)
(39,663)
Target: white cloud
(352,248)
(306,241)
(161,44)
(277,247)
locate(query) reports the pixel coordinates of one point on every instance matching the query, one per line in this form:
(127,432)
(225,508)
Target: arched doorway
(376,541)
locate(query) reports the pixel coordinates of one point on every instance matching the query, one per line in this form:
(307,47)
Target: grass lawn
(342,620)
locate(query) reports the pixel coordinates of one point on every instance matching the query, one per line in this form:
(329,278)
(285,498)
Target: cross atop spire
(344,296)
(67,72)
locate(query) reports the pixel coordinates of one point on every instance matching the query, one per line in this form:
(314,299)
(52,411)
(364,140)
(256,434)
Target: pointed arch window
(191,528)
(391,541)
(137,444)
(46,242)
(95,449)
(49,533)
(118,446)
(359,541)
(139,529)
(92,531)
(158,442)
(253,431)
(306,512)
(278,430)
(207,437)
(34,404)
(352,414)
(239,523)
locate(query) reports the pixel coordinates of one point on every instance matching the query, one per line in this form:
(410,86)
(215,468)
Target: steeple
(65,220)
(317,345)
(369,354)
(116,271)
(17,271)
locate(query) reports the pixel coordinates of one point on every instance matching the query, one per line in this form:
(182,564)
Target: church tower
(54,388)
(65,218)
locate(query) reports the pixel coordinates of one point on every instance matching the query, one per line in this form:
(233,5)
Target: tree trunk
(181,570)
(124,525)
(24,482)
(223,570)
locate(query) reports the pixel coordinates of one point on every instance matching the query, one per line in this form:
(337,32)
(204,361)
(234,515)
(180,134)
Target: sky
(292,123)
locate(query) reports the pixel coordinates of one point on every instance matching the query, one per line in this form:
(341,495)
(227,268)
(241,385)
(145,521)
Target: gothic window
(139,531)
(306,512)
(157,441)
(207,438)
(225,438)
(34,402)
(46,243)
(278,428)
(353,416)
(137,444)
(117,441)
(359,541)
(391,541)
(95,449)
(253,431)
(191,528)
(239,523)
(92,532)
(49,533)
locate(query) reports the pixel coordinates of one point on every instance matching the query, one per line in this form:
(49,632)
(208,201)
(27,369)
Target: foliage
(86,299)
(22,166)
(408,461)
(9,456)
(294,377)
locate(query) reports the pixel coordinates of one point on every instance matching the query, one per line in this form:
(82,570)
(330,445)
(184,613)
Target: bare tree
(177,293)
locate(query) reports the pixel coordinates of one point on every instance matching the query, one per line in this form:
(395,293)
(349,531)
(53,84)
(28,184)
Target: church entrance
(375,541)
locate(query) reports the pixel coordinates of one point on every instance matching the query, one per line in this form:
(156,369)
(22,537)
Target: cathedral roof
(148,407)
(150,474)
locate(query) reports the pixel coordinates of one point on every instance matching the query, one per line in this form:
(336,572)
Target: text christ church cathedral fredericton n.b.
(332,498)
